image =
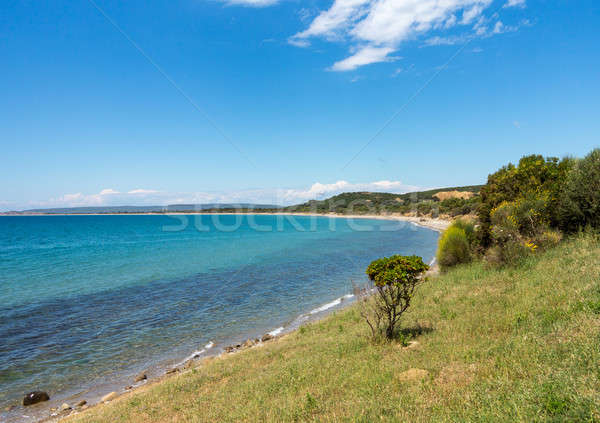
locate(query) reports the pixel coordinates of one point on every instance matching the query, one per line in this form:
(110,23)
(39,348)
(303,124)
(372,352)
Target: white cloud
(252,3)
(515,3)
(450,22)
(469,15)
(298,42)
(376,28)
(341,14)
(500,28)
(280,196)
(364,56)
(439,41)
(142,191)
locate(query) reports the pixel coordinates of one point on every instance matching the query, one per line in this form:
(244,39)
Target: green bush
(469,229)
(454,247)
(535,179)
(509,253)
(459,206)
(395,279)
(579,203)
(425,208)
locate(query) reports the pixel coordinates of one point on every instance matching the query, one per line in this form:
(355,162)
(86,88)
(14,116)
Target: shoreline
(193,361)
(125,385)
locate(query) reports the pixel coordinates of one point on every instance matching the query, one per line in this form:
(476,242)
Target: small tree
(395,279)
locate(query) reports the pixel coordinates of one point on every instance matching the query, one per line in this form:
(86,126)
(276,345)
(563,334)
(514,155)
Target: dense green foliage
(579,204)
(459,206)
(455,244)
(395,279)
(533,185)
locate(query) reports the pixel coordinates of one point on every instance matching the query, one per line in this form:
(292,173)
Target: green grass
(515,344)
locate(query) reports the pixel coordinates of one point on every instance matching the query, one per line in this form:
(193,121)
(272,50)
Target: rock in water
(35,397)
(141,377)
(65,407)
(81,403)
(266,337)
(109,397)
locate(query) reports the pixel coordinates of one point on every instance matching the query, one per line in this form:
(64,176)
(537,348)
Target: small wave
(276,331)
(327,306)
(191,357)
(432,262)
(195,354)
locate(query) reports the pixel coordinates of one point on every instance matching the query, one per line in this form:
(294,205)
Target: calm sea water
(88,301)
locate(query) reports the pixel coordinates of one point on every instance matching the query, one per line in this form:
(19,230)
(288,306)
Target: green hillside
(379,202)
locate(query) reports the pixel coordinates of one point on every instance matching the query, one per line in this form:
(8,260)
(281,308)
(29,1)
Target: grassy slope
(515,344)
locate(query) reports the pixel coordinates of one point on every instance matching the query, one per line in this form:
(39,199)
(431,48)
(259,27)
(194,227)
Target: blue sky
(111,102)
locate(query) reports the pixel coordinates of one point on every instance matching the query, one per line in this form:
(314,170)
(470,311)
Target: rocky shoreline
(143,382)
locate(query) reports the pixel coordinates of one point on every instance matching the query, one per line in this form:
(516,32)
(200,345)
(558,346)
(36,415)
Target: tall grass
(510,344)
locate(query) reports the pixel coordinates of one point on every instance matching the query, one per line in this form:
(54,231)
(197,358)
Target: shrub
(579,203)
(534,178)
(459,206)
(395,279)
(424,208)
(469,229)
(520,227)
(454,246)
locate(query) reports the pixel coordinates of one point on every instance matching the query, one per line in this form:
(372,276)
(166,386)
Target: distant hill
(382,202)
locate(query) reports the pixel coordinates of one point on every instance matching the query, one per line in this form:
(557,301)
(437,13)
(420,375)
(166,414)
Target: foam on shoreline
(331,304)
(196,354)
(277,331)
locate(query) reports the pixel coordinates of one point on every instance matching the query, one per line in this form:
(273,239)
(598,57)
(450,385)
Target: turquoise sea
(87,302)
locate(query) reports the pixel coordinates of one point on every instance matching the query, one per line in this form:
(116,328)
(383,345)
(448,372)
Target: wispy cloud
(364,56)
(280,196)
(375,29)
(252,3)
(515,3)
